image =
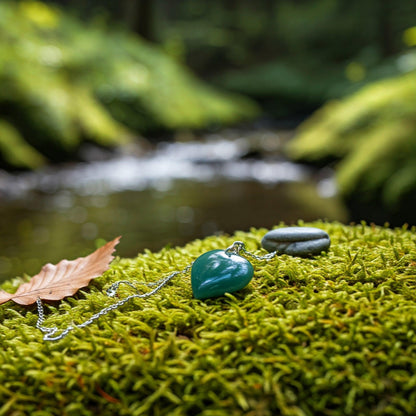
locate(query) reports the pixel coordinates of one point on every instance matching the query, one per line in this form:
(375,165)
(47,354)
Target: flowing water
(171,195)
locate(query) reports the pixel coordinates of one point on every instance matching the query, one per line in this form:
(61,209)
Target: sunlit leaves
(64,82)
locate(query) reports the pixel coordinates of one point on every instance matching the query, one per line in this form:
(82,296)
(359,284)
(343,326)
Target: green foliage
(220,34)
(372,133)
(40,96)
(63,83)
(330,335)
(15,151)
(288,86)
(308,52)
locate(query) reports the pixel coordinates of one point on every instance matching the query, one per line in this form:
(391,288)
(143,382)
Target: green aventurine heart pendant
(217,272)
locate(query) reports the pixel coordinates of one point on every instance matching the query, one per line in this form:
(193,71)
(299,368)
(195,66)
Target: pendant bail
(235,248)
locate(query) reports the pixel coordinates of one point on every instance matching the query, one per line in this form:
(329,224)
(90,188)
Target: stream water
(171,195)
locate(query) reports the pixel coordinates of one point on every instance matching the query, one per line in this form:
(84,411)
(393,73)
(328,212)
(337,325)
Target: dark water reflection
(40,227)
(43,229)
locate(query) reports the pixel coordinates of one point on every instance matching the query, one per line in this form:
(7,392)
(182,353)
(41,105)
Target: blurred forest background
(340,75)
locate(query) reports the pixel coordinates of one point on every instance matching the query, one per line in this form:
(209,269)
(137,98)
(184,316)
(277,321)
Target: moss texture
(329,335)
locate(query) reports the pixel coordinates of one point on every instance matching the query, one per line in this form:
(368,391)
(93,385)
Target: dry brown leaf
(54,282)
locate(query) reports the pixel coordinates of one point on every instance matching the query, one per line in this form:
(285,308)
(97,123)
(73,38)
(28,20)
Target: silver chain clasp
(235,248)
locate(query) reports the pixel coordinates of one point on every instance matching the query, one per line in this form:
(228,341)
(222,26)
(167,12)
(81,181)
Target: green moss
(330,335)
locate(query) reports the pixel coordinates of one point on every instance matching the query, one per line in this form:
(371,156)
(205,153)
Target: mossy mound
(329,335)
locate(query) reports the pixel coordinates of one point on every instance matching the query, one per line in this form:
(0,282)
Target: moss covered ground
(329,335)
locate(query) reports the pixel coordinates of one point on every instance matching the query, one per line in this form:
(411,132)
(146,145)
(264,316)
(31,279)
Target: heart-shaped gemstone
(217,272)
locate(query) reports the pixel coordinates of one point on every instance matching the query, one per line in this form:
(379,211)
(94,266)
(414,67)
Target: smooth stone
(215,273)
(297,241)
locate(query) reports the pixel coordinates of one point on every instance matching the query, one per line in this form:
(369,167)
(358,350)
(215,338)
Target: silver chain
(55,334)
(238,247)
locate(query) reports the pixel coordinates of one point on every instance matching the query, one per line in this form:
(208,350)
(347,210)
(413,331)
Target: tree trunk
(139,16)
(385,28)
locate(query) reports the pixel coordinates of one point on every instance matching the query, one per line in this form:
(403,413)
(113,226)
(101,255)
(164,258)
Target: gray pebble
(297,241)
